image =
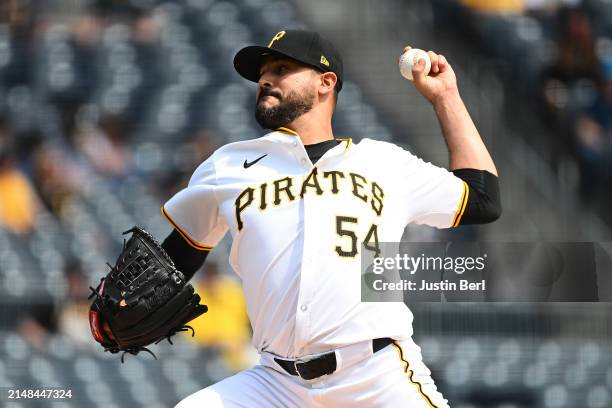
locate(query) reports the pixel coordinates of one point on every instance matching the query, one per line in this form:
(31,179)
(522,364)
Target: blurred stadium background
(107,106)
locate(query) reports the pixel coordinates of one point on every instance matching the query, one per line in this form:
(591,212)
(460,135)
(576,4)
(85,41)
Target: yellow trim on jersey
(348,141)
(287,130)
(462,205)
(411,373)
(187,238)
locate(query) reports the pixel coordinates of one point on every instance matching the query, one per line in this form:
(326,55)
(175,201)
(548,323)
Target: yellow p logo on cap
(276,37)
(324,60)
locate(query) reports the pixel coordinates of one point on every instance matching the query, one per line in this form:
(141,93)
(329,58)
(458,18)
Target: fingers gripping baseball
(435,62)
(435,81)
(419,70)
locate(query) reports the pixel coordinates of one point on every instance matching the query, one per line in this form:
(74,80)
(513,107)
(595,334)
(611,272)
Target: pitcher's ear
(328,82)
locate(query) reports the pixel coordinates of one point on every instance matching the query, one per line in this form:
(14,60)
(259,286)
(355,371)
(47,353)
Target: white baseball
(408,59)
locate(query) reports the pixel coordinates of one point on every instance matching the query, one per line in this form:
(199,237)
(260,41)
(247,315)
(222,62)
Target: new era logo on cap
(307,47)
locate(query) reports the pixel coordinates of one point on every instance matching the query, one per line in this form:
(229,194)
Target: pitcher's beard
(289,109)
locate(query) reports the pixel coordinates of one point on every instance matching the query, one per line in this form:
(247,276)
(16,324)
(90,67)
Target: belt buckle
(300,361)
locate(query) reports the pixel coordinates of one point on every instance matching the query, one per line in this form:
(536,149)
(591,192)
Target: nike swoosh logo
(247,164)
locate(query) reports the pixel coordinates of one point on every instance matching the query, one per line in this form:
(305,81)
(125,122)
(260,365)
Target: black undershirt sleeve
(186,258)
(484,203)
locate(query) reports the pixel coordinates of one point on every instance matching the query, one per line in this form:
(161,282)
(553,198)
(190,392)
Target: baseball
(408,59)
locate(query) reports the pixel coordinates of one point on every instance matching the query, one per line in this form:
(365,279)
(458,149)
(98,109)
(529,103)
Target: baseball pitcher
(299,203)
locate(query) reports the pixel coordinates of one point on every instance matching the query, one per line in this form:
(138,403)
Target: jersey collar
(348,140)
(285,130)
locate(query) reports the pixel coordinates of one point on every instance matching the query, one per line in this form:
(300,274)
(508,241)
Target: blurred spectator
(72,319)
(550,6)
(187,158)
(36,321)
(572,78)
(226,325)
(105,146)
(194,151)
(18,202)
(494,6)
(116,9)
(16,13)
(145,28)
(16,28)
(145,32)
(202,144)
(518,6)
(56,178)
(84,45)
(594,139)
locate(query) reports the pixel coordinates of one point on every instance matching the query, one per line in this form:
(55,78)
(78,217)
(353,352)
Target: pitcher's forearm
(465,146)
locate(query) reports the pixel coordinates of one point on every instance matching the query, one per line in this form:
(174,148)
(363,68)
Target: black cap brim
(248,61)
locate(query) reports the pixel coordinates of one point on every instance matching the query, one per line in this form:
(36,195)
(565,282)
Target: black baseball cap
(307,47)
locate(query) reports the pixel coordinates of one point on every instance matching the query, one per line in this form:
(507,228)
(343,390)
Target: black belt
(324,364)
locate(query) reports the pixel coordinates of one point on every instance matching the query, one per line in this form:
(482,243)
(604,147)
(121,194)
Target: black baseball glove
(143,299)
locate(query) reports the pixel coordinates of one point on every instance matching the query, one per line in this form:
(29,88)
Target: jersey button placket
(306,274)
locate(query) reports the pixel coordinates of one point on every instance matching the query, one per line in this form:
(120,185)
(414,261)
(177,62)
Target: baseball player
(299,202)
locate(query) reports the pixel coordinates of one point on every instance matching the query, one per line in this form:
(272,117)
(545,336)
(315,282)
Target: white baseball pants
(393,377)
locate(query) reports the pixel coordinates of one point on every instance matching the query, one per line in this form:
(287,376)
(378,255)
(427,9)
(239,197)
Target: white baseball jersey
(297,230)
